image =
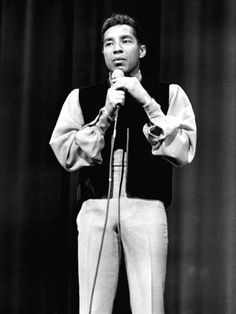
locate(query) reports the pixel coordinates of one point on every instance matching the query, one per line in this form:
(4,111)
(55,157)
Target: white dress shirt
(77,145)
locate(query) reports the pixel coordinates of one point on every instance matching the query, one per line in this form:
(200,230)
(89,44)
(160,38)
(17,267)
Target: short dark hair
(120,19)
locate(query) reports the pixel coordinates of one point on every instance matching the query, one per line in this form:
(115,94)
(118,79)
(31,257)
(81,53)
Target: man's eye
(127,41)
(108,44)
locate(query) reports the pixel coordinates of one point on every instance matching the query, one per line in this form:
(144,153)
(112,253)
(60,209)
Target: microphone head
(117,73)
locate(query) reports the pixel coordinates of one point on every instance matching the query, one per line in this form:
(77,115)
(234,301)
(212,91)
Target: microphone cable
(107,208)
(121,181)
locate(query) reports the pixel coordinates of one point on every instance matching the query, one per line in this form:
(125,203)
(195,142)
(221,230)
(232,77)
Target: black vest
(148,176)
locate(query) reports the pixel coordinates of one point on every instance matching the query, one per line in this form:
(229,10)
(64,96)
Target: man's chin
(120,67)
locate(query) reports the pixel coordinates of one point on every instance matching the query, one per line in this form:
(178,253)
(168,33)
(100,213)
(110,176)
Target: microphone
(115,74)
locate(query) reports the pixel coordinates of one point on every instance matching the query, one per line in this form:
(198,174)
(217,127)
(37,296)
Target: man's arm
(173,135)
(77,145)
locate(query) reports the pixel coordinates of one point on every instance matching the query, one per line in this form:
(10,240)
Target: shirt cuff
(104,120)
(161,124)
(153,109)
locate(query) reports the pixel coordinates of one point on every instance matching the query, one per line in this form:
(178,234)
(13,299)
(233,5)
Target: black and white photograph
(118,157)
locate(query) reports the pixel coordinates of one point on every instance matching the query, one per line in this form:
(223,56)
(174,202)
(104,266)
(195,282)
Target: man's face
(121,49)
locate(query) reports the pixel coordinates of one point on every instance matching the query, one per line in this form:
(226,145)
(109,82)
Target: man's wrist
(147,99)
(110,115)
(104,120)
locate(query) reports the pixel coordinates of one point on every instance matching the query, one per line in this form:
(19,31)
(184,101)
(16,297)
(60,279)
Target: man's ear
(142,51)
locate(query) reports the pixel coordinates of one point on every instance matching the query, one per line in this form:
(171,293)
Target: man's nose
(117,47)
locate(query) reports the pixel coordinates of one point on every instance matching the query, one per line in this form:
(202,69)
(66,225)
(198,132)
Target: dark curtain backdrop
(198,50)
(47,49)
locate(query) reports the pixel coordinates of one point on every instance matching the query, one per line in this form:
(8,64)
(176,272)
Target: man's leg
(145,241)
(90,223)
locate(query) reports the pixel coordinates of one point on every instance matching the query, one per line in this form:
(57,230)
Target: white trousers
(144,238)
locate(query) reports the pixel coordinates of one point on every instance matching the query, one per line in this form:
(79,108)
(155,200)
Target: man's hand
(133,87)
(114,98)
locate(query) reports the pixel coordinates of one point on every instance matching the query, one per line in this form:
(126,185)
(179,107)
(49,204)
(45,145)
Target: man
(124,135)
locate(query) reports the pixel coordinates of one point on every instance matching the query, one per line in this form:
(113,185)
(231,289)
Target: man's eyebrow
(127,36)
(108,38)
(122,37)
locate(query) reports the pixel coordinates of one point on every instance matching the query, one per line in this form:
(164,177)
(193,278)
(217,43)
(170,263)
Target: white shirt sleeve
(77,145)
(173,135)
